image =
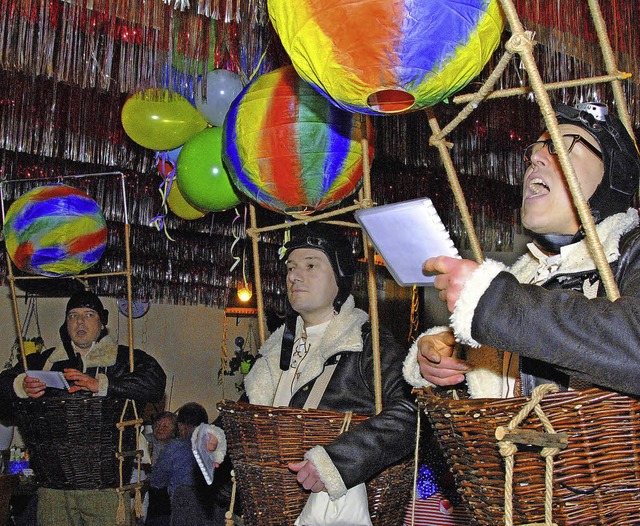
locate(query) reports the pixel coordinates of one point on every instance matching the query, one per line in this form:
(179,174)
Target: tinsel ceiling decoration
(67,66)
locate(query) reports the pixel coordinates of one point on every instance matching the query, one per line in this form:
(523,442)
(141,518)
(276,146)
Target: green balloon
(200,173)
(159,119)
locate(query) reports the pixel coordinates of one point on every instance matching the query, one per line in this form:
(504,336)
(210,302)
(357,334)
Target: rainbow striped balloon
(388,56)
(288,148)
(55,230)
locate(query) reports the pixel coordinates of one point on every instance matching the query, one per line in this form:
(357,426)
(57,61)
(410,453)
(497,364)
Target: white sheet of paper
(406,234)
(204,458)
(54,379)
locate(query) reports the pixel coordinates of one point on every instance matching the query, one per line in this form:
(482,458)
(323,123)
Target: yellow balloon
(180,206)
(159,119)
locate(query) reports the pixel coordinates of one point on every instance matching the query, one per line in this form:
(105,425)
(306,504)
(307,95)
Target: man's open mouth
(538,187)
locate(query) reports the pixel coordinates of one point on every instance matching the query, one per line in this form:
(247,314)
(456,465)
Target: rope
(228,516)
(122,489)
(414,315)
(346,422)
(508,450)
(454,183)
(415,472)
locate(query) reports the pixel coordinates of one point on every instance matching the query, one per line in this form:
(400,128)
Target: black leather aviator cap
(619,154)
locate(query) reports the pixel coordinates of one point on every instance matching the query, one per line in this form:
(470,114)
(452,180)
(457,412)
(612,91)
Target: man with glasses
(547,318)
(93,364)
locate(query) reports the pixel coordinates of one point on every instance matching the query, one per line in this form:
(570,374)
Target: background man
(91,363)
(548,314)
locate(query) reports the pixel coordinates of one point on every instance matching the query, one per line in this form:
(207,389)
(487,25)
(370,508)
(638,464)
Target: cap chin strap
(288,338)
(552,243)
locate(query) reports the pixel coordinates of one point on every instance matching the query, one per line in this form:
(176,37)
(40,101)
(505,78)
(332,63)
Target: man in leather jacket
(91,362)
(547,318)
(325,331)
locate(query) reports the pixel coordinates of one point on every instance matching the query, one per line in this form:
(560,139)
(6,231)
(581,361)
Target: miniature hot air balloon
(288,148)
(55,230)
(388,56)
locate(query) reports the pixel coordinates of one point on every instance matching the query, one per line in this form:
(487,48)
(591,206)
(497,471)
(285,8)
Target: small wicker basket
(263,440)
(73,439)
(596,478)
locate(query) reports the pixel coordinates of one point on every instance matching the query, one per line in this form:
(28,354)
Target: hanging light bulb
(245,292)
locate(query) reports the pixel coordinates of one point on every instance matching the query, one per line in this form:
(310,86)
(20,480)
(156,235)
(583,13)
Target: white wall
(187,342)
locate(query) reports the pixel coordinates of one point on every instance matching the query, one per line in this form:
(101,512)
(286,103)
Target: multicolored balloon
(388,56)
(55,230)
(288,148)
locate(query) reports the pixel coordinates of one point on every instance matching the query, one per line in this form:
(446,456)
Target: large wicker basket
(596,478)
(263,440)
(73,440)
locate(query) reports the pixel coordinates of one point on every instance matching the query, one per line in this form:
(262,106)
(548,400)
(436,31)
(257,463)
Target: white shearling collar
(579,259)
(342,335)
(103,354)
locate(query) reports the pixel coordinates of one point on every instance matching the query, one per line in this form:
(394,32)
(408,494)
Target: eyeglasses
(570,140)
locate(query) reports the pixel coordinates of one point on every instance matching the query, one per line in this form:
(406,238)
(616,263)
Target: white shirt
(304,344)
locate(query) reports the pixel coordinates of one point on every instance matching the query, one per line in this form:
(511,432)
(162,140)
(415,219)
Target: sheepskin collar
(579,259)
(342,335)
(103,354)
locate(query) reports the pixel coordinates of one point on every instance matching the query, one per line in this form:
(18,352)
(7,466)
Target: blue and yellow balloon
(388,56)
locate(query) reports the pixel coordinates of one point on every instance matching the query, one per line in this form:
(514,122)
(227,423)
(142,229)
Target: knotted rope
(121,515)
(508,450)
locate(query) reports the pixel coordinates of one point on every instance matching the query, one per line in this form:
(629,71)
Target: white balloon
(223,86)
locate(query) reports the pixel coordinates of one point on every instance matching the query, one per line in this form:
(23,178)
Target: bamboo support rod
(254,230)
(16,312)
(371,271)
(134,422)
(262,332)
(454,183)
(551,86)
(477,97)
(12,287)
(83,276)
(129,294)
(522,43)
(610,64)
(532,437)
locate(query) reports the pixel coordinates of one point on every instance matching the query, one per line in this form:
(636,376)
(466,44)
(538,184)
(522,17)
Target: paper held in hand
(54,379)
(406,234)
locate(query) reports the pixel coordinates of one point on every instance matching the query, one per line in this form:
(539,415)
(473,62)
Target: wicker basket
(596,478)
(72,440)
(263,440)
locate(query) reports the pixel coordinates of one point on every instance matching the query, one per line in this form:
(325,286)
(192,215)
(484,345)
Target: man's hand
(307,475)
(453,275)
(34,387)
(435,357)
(81,381)
(212,445)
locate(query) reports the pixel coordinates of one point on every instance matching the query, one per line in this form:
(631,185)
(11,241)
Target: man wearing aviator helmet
(548,314)
(326,341)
